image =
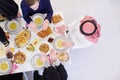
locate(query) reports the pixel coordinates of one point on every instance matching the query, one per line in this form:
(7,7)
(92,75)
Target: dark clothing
(3,37)
(17,76)
(44,8)
(52,73)
(8,8)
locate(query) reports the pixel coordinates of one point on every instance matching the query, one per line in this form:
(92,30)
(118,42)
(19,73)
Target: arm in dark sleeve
(16,76)
(62,72)
(37,76)
(51,73)
(49,10)
(25,12)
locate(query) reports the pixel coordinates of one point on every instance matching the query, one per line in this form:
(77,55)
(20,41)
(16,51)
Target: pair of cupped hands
(50,58)
(33,26)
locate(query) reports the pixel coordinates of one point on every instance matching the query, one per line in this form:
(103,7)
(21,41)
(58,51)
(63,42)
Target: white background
(102,60)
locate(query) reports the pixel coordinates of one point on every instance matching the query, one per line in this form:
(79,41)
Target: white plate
(27,40)
(33,61)
(50,47)
(5,62)
(57,43)
(13,23)
(41,16)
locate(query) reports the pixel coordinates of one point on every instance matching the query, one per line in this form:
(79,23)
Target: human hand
(45,24)
(33,26)
(44,57)
(67,44)
(61,29)
(18,14)
(53,56)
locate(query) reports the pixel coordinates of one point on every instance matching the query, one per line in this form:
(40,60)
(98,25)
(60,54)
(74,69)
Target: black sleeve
(51,73)
(17,76)
(62,72)
(2,35)
(36,76)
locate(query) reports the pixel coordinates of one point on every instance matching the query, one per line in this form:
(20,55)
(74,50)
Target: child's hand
(33,26)
(45,24)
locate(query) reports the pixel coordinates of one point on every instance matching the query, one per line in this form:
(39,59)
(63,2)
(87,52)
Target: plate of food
(44,47)
(45,33)
(33,45)
(63,56)
(22,38)
(58,43)
(37,61)
(19,57)
(38,20)
(13,26)
(2,50)
(56,18)
(5,66)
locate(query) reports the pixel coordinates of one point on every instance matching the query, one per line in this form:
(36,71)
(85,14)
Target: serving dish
(13,26)
(38,20)
(22,38)
(5,66)
(37,61)
(58,43)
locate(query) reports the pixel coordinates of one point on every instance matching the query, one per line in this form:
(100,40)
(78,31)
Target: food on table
(30,47)
(44,33)
(38,21)
(58,44)
(2,50)
(4,66)
(22,38)
(56,18)
(13,26)
(12,49)
(63,56)
(39,62)
(19,57)
(50,40)
(9,55)
(35,42)
(44,47)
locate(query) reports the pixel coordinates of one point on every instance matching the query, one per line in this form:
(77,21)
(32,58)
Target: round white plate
(33,63)
(7,62)
(27,40)
(40,16)
(11,24)
(57,43)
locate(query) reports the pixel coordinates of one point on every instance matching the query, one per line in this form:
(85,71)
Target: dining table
(25,48)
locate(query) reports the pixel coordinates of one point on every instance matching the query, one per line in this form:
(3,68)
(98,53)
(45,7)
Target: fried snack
(44,48)
(56,18)
(44,33)
(63,56)
(30,47)
(19,57)
(22,38)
